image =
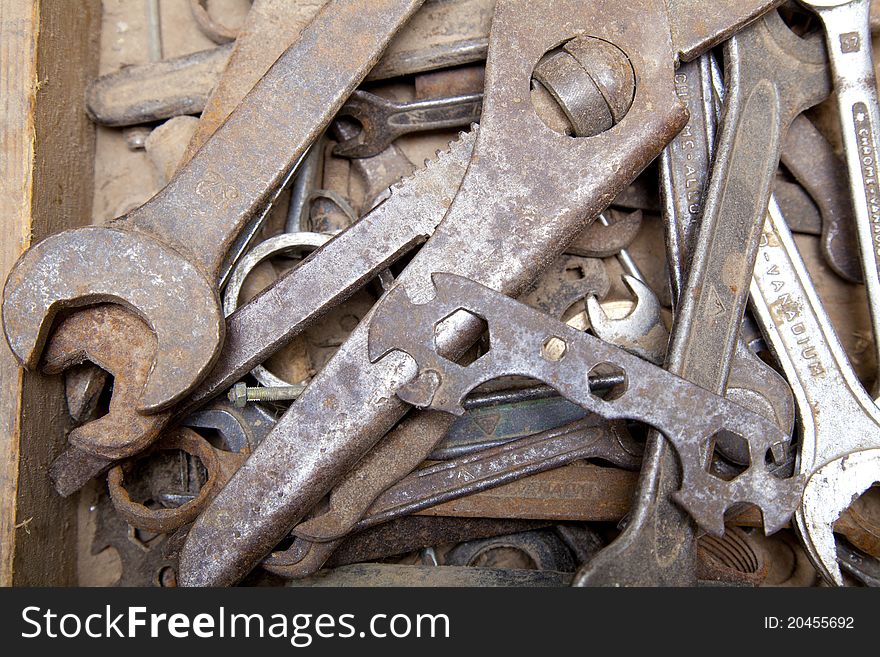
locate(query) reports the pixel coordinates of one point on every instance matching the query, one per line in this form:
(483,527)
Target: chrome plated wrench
(839,422)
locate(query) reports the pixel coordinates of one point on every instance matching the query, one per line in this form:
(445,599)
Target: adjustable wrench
(309,450)
(849,49)
(162,259)
(839,422)
(767,71)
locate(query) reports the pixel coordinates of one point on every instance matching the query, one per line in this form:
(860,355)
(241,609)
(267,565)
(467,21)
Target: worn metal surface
(839,422)
(151,92)
(139,259)
(855,84)
(601,241)
(238,428)
(442,34)
(862,567)
(795,202)
(731,558)
(218,464)
(576,492)
(289,244)
(94,338)
(211,27)
(812,160)
(142,557)
(766,70)
(522,337)
(563,192)
(416,532)
(382,120)
(300,297)
(694,30)
(376,574)
(538,549)
(860,523)
(564,282)
(590,437)
(641,332)
(497,424)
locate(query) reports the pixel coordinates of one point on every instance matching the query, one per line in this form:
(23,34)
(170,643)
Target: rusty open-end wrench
(766,68)
(840,424)
(162,259)
(352,403)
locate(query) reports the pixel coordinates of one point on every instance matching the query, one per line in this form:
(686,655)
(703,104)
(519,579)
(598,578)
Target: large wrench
(766,70)
(849,49)
(162,259)
(840,424)
(309,449)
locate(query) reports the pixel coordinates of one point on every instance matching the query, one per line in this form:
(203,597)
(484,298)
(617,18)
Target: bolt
(241,393)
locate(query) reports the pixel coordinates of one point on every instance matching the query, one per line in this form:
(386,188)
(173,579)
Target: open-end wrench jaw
(828,492)
(641,332)
(93,265)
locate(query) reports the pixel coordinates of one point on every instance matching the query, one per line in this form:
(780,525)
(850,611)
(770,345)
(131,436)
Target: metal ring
(279,244)
(215,31)
(163,521)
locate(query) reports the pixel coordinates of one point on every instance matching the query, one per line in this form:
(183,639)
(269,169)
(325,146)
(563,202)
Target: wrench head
(641,332)
(372,113)
(829,491)
(94,334)
(98,264)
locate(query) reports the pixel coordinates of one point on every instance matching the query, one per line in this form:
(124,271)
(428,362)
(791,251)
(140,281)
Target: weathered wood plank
(48,52)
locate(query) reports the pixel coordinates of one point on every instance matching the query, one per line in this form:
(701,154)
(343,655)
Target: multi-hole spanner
(309,449)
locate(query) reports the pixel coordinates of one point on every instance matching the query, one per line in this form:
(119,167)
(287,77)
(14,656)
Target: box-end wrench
(221,551)
(852,65)
(162,259)
(839,422)
(767,68)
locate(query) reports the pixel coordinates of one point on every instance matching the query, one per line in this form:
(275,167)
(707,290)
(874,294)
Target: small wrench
(839,422)
(849,49)
(382,121)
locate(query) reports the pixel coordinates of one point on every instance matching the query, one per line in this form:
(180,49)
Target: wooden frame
(48,53)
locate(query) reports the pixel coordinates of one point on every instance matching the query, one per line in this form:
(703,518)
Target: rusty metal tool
(327,277)
(812,161)
(382,120)
(412,533)
(399,575)
(569,493)
(590,437)
(564,193)
(601,241)
(641,331)
(163,258)
(684,173)
(839,422)
(852,65)
(445,33)
(767,66)
(528,343)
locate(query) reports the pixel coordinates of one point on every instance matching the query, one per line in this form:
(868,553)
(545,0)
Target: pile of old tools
(493,369)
